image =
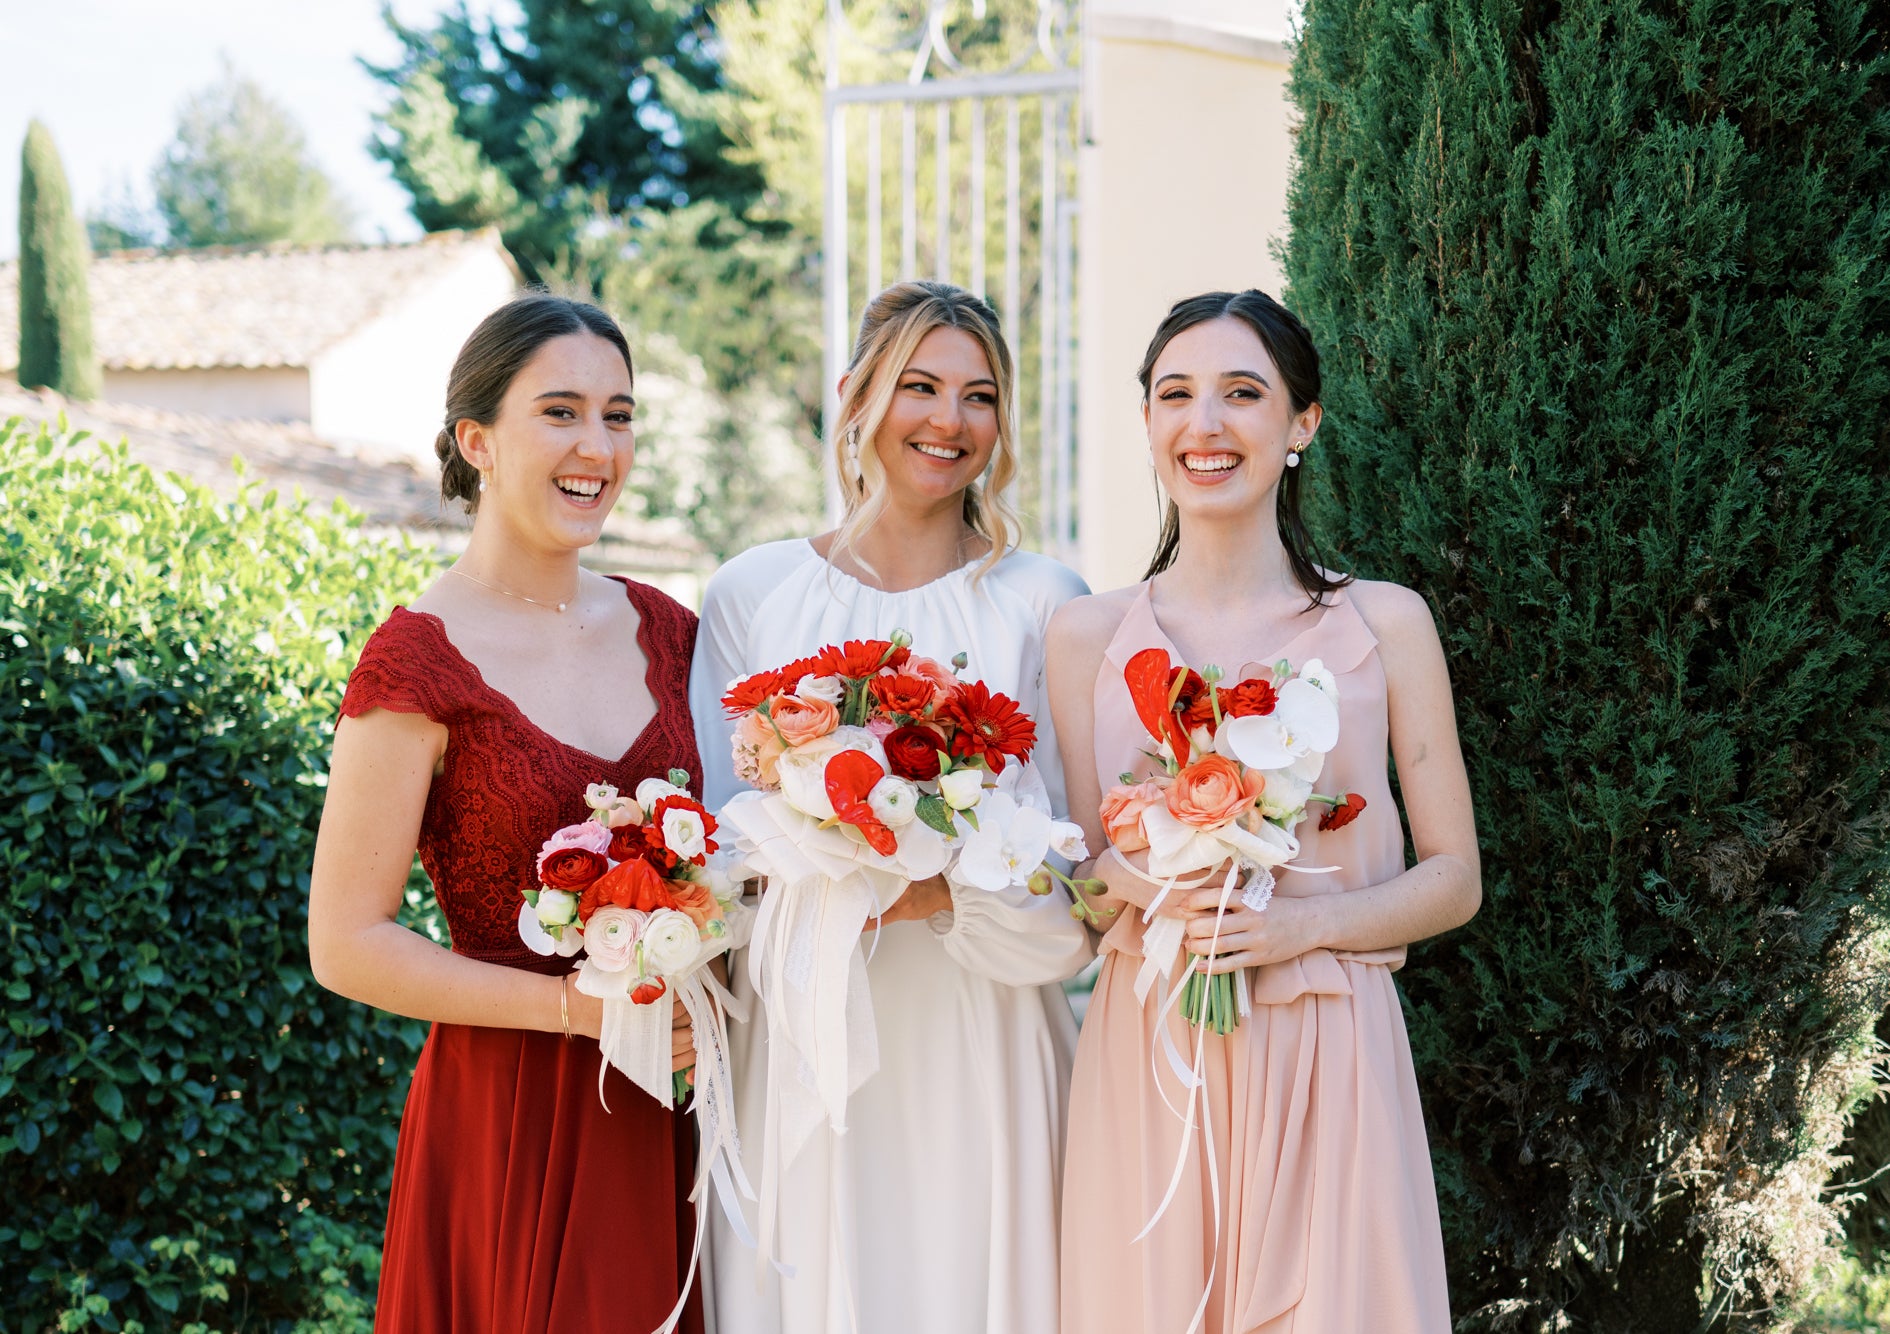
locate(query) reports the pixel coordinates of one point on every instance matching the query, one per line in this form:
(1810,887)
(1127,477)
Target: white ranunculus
(828,689)
(1285,793)
(671,941)
(1316,674)
(895,801)
(652,790)
(1067,841)
(961,788)
(600,796)
(803,770)
(1006,848)
(556,907)
(1303,721)
(683,833)
(611,935)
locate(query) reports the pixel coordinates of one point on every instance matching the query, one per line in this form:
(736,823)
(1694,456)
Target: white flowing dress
(936,1212)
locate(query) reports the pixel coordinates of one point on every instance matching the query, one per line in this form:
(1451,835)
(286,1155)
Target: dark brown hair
(491,359)
(1292,350)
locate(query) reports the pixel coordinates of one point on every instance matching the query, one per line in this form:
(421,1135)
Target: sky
(107,76)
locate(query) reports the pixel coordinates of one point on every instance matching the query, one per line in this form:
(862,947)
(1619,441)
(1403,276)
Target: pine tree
(55,302)
(1602,293)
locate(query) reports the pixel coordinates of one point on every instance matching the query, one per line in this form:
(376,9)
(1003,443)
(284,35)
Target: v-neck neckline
(524,719)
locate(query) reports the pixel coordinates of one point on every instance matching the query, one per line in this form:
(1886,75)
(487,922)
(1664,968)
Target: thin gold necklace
(506,592)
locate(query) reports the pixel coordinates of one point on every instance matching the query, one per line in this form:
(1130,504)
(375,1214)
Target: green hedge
(1602,292)
(195,1134)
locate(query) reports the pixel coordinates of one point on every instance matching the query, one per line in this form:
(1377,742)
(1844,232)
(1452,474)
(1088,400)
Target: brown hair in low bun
(491,359)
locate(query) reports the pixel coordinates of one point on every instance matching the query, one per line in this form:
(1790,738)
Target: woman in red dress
(470,728)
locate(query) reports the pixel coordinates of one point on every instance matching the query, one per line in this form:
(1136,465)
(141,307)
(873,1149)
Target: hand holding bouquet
(1237,769)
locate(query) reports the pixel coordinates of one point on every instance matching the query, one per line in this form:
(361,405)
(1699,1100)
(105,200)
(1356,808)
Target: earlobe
(471,438)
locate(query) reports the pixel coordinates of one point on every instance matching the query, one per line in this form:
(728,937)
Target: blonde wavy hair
(891,329)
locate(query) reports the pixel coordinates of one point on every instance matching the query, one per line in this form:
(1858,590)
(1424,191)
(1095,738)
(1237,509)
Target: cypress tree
(1601,290)
(55,302)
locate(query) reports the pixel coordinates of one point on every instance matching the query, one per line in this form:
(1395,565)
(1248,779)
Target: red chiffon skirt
(521,1206)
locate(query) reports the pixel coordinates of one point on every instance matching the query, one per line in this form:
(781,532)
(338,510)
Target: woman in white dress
(936,1212)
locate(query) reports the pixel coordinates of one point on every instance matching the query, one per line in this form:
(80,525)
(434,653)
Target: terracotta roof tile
(249,306)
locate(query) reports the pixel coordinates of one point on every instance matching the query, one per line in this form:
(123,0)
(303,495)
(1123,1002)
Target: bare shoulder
(1084,625)
(1399,617)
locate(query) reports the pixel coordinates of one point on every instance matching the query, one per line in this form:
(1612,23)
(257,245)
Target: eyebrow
(574,394)
(939,379)
(1225,375)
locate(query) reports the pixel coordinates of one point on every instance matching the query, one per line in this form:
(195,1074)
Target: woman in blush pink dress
(1327,1217)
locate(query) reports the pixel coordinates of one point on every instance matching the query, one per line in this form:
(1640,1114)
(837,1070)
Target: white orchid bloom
(1303,721)
(923,851)
(803,769)
(1316,674)
(1067,841)
(962,788)
(1024,784)
(1006,848)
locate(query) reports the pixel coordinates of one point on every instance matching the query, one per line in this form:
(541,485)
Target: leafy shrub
(195,1133)
(1602,294)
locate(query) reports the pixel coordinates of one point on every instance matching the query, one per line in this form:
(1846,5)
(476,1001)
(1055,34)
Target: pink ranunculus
(881,727)
(758,749)
(1122,808)
(611,935)
(590,836)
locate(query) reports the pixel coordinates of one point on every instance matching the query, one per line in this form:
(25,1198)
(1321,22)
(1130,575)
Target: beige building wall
(384,385)
(275,393)
(1183,190)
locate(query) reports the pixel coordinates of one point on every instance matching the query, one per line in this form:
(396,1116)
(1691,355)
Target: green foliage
(195,1132)
(238,172)
(1602,296)
(580,113)
(55,302)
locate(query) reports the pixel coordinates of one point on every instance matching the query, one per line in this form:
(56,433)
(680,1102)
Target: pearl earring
(482,483)
(1292,458)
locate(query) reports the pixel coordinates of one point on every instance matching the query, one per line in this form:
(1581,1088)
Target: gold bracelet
(564,1004)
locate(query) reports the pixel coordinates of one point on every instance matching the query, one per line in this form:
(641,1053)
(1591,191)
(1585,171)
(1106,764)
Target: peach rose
(1122,809)
(758,750)
(697,901)
(802,720)
(1212,791)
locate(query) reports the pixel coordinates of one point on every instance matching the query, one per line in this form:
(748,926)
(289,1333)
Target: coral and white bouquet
(642,891)
(1238,765)
(873,767)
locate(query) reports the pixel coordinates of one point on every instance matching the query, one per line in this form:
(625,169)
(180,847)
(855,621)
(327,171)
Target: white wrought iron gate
(964,170)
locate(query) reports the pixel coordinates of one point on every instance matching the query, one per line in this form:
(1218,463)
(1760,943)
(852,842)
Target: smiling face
(1220,420)
(942,423)
(558,452)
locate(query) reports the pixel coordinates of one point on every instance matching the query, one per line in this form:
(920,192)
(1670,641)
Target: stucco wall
(278,394)
(1183,190)
(385,384)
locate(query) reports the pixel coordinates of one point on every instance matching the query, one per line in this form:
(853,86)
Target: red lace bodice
(506,785)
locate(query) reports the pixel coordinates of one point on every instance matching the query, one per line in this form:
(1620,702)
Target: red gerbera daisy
(988,726)
(858,659)
(801,667)
(746,693)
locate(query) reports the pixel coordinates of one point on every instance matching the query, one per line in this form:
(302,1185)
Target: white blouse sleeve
(721,650)
(1015,937)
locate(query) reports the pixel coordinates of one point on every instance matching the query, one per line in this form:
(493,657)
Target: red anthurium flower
(850,777)
(989,726)
(647,992)
(746,693)
(1151,688)
(1341,815)
(859,658)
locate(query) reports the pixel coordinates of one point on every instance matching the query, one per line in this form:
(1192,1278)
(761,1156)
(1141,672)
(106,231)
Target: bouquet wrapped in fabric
(1238,765)
(643,893)
(872,767)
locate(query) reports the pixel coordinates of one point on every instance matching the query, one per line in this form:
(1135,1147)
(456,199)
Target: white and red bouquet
(872,767)
(642,892)
(1237,767)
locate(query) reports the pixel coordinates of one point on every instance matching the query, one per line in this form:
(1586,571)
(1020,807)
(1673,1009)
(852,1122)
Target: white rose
(671,941)
(683,833)
(556,907)
(961,787)
(611,935)
(803,770)
(894,801)
(652,790)
(829,689)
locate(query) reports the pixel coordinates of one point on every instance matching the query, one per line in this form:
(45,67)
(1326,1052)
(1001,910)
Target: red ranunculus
(646,993)
(1201,713)
(904,692)
(1341,815)
(989,726)
(571,868)
(912,751)
(1250,698)
(746,693)
(626,841)
(858,659)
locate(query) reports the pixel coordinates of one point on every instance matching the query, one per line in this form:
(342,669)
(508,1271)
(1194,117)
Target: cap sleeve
(405,666)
